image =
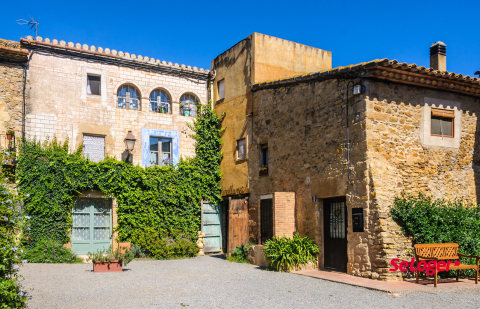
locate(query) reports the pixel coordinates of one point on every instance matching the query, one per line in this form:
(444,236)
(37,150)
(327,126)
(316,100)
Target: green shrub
(166,198)
(49,251)
(12,221)
(240,254)
(285,253)
(429,220)
(164,246)
(109,255)
(138,252)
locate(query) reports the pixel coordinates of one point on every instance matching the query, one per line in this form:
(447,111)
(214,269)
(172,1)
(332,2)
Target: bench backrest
(439,251)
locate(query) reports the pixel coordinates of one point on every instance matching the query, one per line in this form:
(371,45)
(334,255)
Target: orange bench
(440,252)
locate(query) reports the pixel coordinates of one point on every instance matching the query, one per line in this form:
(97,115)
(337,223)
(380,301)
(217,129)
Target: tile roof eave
(114,59)
(383,65)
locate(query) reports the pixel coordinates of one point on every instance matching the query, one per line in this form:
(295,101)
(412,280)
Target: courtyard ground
(212,282)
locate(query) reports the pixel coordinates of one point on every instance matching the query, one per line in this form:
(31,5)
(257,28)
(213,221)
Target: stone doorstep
(392,287)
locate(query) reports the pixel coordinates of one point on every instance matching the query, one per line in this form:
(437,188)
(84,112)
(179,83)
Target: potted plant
(123,246)
(163,109)
(10,134)
(167,161)
(110,260)
(185,110)
(263,170)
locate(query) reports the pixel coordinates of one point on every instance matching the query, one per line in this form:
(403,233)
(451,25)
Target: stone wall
(391,151)
(11,98)
(57,103)
(305,129)
(401,160)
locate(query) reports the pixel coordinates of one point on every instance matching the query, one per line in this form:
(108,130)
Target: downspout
(348,139)
(24,108)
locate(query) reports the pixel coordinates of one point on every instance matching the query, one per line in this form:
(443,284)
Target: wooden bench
(440,252)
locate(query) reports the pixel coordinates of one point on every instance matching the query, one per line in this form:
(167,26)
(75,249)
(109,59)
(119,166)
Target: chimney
(438,56)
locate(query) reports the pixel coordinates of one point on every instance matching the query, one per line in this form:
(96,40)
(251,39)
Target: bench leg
(458,274)
(476,274)
(436,274)
(417,275)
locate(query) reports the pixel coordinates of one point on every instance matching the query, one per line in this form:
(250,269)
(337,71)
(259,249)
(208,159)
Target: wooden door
(237,223)
(335,233)
(266,220)
(212,227)
(92,225)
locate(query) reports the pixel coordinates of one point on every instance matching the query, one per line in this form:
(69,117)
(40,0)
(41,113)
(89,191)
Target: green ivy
(429,220)
(166,198)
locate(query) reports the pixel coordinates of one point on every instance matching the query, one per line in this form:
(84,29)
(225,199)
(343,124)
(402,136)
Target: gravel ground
(211,282)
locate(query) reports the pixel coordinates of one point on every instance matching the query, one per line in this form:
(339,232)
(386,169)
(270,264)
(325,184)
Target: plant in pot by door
(110,260)
(10,134)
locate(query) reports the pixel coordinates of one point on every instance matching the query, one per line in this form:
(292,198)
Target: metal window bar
(160,102)
(127,97)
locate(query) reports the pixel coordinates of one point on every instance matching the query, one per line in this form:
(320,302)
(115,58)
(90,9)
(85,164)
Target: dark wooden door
(237,223)
(335,233)
(266,220)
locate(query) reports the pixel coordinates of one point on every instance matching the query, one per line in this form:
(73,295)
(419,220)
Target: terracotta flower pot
(263,173)
(105,267)
(122,246)
(9,136)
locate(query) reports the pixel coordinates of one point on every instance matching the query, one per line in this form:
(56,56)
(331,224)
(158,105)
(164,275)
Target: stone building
(99,98)
(13,61)
(327,152)
(345,141)
(255,59)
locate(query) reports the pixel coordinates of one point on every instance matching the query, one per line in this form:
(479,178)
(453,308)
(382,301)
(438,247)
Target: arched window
(128,97)
(160,101)
(188,106)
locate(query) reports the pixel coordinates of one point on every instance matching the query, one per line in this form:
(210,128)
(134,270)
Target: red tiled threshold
(394,287)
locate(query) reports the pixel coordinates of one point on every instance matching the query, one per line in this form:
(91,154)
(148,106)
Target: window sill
(442,136)
(220,101)
(263,173)
(239,161)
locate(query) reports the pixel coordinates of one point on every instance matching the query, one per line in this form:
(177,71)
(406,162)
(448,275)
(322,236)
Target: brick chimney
(438,56)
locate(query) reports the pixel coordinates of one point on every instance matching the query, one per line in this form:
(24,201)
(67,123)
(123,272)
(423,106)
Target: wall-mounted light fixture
(129,143)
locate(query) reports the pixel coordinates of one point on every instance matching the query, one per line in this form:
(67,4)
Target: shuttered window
(94,147)
(442,122)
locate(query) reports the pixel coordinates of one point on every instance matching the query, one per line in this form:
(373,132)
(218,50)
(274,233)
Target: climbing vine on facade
(165,198)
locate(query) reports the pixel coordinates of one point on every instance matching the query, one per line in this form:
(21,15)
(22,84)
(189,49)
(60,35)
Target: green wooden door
(212,227)
(92,225)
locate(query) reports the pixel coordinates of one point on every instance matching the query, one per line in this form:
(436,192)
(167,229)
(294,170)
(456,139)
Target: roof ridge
(113,52)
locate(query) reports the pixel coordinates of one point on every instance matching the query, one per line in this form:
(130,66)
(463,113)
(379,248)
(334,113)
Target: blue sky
(195,32)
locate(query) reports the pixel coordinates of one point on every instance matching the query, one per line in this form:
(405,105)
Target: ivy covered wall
(166,198)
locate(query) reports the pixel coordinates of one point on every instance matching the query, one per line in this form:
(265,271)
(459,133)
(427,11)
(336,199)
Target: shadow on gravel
(218,256)
(123,269)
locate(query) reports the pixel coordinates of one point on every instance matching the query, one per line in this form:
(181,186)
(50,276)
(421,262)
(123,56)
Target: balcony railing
(188,110)
(162,108)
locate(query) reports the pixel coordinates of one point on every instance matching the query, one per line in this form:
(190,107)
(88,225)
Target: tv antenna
(32,23)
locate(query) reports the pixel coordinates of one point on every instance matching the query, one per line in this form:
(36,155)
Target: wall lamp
(130,143)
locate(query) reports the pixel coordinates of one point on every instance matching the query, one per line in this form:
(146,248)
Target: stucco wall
(57,103)
(255,59)
(276,58)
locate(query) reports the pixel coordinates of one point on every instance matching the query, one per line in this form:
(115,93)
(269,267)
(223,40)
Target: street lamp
(129,143)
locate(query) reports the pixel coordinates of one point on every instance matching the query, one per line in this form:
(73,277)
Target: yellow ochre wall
(255,59)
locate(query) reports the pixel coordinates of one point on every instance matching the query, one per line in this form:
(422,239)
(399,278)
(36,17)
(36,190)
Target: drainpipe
(24,108)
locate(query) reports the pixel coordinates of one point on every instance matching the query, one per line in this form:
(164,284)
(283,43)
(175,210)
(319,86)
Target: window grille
(128,97)
(188,106)
(94,147)
(160,102)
